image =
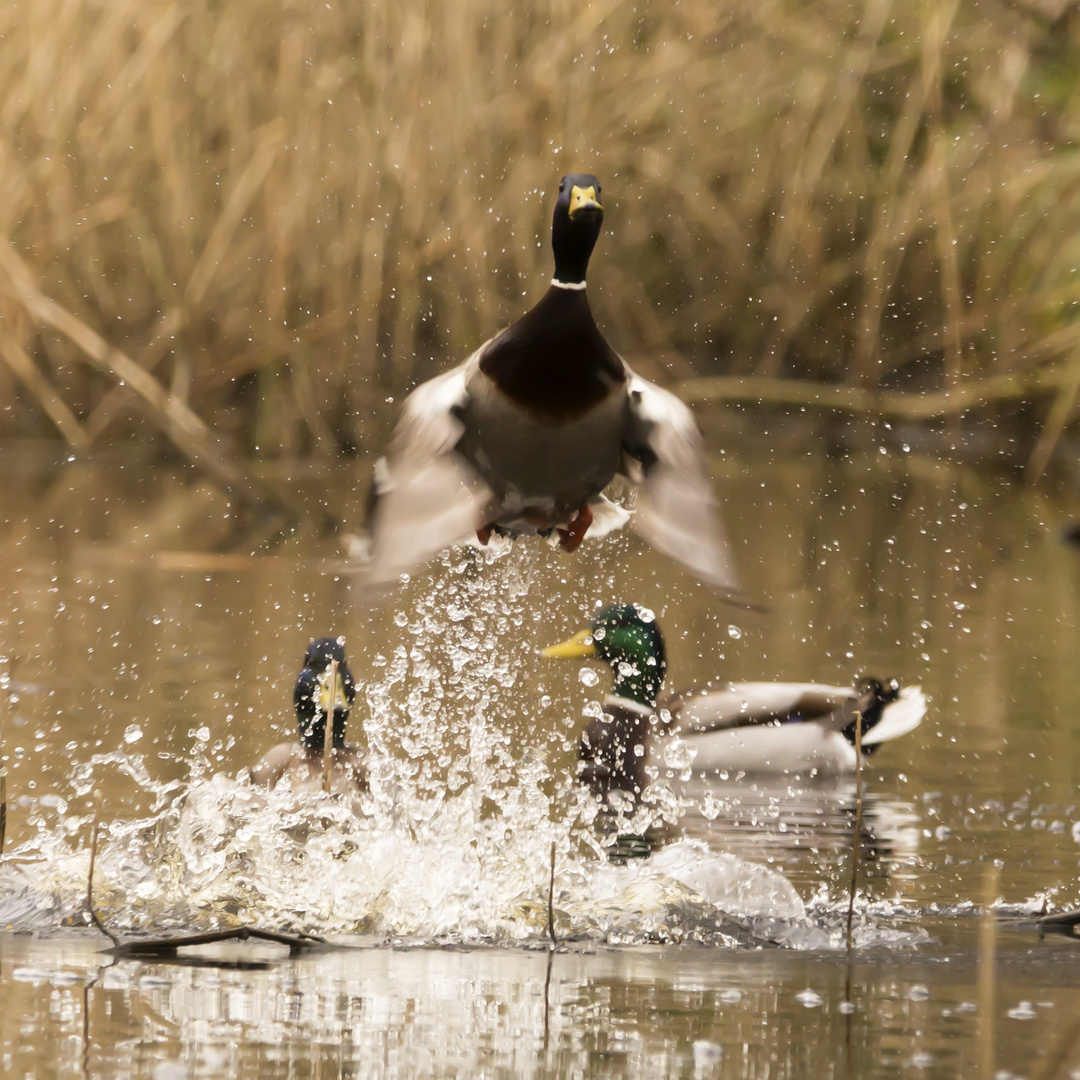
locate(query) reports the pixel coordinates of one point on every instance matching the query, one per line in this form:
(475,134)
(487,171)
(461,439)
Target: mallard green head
(628,639)
(575,227)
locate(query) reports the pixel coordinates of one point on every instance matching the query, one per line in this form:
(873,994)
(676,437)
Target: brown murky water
(143,663)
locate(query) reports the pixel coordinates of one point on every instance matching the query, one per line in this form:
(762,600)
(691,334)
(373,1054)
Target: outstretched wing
(676,510)
(427,495)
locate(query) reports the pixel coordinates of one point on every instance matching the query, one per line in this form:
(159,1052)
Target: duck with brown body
(314,698)
(523,437)
(787,728)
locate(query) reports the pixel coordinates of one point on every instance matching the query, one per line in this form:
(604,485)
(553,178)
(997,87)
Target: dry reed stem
(328,731)
(3,809)
(987,974)
(551,899)
(777,181)
(91,910)
(1060,411)
(856,845)
(970,394)
(52,404)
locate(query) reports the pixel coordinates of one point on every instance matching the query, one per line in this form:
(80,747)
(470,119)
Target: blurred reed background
(289,212)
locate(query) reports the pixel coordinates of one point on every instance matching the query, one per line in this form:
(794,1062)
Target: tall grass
(291,211)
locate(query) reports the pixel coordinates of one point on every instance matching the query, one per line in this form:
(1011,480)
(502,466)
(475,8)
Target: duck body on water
(523,437)
(785,728)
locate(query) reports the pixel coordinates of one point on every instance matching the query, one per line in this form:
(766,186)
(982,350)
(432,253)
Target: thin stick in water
(857,842)
(328,730)
(3,809)
(90,877)
(551,898)
(987,973)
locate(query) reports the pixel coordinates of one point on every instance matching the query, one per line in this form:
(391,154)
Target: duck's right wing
(427,496)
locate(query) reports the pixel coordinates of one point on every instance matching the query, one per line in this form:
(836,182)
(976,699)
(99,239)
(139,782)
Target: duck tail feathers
(898,717)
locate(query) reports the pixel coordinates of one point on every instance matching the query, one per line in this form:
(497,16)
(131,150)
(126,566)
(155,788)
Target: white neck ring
(576,286)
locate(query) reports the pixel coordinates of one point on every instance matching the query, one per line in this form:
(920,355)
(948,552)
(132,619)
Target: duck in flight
(523,437)
(314,697)
(785,728)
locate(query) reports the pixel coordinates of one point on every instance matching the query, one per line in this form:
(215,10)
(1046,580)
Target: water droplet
(1023,1011)
(808,999)
(918,993)
(847,1007)
(678,754)
(731,997)
(134,733)
(588,676)
(706,1053)
(734,632)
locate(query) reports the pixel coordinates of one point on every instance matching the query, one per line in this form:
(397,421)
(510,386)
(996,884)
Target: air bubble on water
(918,992)
(133,733)
(1024,1010)
(808,999)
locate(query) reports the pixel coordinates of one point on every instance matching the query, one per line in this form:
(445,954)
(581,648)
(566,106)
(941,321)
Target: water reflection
(635,1012)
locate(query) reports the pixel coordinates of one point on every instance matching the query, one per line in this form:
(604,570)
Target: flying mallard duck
(312,697)
(753,727)
(524,436)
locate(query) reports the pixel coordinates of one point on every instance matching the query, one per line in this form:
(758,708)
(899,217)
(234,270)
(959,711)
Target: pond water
(146,663)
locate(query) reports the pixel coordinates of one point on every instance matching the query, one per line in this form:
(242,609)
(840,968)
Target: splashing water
(451,843)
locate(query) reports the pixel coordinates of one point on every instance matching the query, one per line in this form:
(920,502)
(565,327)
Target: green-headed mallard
(525,434)
(749,727)
(314,697)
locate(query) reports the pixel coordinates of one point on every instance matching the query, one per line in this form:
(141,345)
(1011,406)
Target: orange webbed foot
(574,533)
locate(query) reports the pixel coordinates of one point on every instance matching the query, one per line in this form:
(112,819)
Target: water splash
(451,843)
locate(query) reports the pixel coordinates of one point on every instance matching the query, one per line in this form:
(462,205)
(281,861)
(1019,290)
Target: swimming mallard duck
(527,432)
(312,697)
(752,727)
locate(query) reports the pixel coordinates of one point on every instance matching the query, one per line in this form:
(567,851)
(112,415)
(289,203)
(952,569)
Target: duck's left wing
(427,495)
(676,510)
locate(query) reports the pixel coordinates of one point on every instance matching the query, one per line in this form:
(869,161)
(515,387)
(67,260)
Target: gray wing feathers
(676,510)
(428,496)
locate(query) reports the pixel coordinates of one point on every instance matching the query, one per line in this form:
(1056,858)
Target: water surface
(149,664)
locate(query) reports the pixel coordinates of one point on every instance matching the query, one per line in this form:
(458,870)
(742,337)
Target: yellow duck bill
(581,644)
